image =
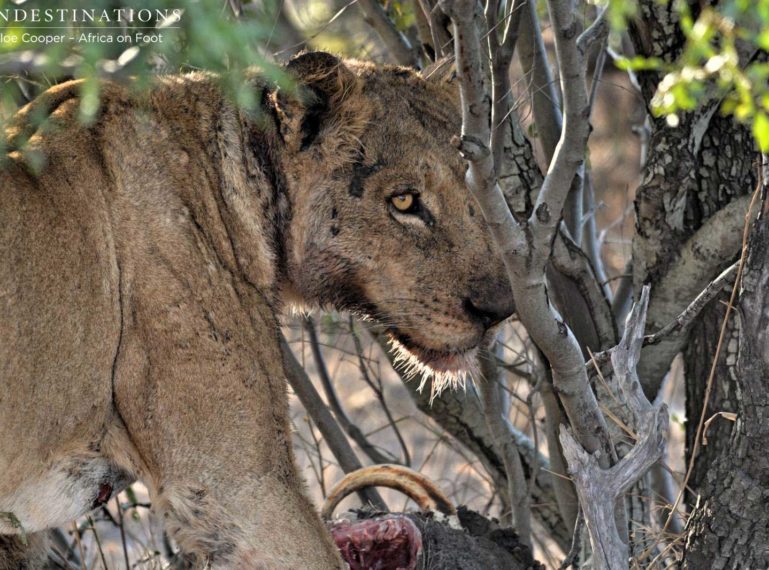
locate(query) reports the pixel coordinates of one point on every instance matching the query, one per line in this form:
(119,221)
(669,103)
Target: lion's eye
(404,202)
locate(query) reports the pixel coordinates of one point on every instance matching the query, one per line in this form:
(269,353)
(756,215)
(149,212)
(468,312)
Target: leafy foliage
(43,43)
(723,59)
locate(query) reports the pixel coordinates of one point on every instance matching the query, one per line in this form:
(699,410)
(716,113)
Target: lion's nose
(490,310)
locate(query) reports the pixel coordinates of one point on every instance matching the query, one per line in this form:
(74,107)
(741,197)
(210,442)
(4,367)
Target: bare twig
(79,542)
(379,393)
(680,324)
(331,431)
(687,316)
(571,556)
(348,426)
(321,473)
(98,542)
(122,532)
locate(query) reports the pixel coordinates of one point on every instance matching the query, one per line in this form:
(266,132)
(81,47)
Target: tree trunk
(689,214)
(693,172)
(698,358)
(730,529)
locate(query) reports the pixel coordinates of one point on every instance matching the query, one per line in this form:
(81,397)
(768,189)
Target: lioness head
(382,222)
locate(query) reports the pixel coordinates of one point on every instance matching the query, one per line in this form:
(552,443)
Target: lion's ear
(324,87)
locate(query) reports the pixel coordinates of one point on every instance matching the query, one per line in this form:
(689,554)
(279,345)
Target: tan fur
(143,261)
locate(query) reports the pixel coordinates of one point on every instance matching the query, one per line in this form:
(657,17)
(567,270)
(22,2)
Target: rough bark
(698,358)
(695,174)
(692,172)
(731,527)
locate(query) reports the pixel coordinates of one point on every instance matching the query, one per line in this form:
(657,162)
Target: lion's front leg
(205,406)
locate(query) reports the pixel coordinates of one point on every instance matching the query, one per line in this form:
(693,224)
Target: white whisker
(412,367)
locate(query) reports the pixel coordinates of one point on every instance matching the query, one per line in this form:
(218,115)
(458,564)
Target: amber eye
(403,202)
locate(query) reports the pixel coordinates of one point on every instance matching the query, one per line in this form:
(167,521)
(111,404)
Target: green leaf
(761,131)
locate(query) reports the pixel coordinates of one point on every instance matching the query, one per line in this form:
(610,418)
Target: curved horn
(412,484)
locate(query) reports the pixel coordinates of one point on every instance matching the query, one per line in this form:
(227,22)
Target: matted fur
(143,261)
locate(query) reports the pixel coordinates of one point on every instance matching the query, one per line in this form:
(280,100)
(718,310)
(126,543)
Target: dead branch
(687,316)
(679,325)
(598,487)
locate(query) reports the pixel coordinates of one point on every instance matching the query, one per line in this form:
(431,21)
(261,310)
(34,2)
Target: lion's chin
(444,369)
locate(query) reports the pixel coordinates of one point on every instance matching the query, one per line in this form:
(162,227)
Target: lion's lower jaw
(442,369)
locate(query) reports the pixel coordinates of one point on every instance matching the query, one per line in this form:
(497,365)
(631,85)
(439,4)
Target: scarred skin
(144,259)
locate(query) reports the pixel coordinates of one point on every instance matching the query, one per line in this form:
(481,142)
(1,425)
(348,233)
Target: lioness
(143,265)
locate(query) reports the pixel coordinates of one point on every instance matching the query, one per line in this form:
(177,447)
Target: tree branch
(596,33)
(460,414)
(545,103)
(574,263)
(526,245)
(505,446)
(717,242)
(599,488)
(687,316)
(397,44)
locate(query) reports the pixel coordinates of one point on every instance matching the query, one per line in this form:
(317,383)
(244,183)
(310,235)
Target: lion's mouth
(446,368)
